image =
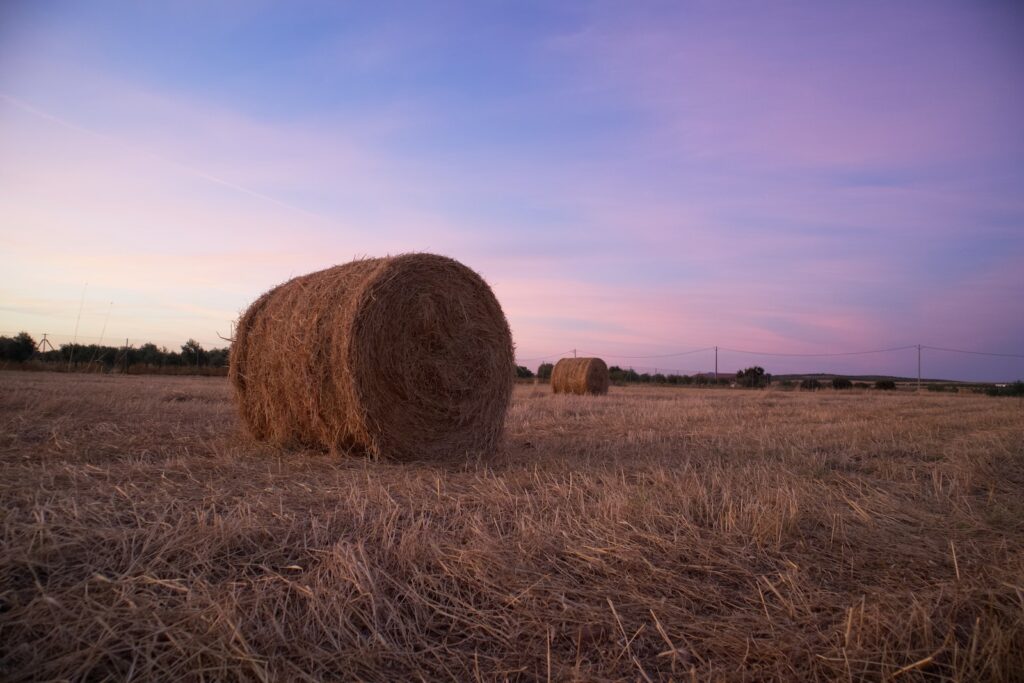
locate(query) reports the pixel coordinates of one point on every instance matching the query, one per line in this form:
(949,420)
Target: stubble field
(652,534)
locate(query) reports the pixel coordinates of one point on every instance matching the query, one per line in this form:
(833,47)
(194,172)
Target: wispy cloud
(631,181)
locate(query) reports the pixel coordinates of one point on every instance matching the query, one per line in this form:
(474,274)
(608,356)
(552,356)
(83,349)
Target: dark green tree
(752,377)
(18,348)
(219,358)
(150,354)
(544,371)
(1015,389)
(523,372)
(192,353)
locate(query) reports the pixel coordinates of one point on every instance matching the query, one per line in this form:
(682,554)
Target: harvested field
(649,534)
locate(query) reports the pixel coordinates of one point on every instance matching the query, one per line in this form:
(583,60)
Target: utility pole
(574,353)
(44,344)
(126,356)
(919,367)
(716,366)
(74,341)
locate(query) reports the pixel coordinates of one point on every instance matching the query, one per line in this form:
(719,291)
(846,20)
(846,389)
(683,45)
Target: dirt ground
(652,534)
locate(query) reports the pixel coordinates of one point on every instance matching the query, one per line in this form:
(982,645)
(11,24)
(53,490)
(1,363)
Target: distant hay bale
(402,357)
(580,376)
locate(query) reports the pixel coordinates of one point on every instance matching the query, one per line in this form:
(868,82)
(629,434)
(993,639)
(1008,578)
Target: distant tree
(150,354)
(17,348)
(192,353)
(523,372)
(658,378)
(885,384)
(219,358)
(544,371)
(1015,389)
(752,377)
(841,383)
(810,384)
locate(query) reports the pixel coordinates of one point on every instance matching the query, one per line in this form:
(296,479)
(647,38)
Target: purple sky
(633,180)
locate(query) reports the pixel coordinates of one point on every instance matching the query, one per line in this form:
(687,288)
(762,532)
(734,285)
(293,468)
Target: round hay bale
(580,376)
(402,357)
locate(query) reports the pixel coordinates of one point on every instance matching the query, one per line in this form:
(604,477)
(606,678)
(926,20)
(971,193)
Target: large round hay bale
(402,357)
(580,376)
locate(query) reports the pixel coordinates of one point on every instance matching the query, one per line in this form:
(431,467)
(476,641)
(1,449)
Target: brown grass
(580,376)
(652,534)
(402,357)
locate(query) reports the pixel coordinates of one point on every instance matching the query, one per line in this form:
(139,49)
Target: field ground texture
(652,534)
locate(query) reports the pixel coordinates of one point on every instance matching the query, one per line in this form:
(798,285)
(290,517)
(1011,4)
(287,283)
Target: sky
(633,179)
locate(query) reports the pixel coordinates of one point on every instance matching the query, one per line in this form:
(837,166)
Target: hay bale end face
(580,376)
(402,357)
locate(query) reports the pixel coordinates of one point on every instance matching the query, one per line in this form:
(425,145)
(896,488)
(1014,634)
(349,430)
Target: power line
(550,355)
(975,353)
(99,339)
(658,355)
(662,355)
(769,353)
(818,355)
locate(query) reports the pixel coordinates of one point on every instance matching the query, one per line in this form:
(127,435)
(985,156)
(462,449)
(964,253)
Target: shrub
(19,348)
(752,377)
(523,372)
(810,385)
(885,384)
(544,371)
(841,383)
(1015,389)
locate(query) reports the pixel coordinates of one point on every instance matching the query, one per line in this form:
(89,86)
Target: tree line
(22,348)
(750,377)
(192,358)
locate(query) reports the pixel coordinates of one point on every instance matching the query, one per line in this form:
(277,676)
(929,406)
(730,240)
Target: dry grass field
(652,534)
